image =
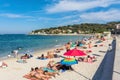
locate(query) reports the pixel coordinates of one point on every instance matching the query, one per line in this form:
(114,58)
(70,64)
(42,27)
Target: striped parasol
(68,61)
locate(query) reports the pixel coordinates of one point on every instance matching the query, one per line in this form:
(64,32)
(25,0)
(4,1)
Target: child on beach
(110,47)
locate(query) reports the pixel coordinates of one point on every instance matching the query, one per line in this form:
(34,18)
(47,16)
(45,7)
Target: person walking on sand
(15,53)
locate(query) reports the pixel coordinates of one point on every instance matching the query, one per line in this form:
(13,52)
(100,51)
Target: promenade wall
(105,70)
(116,69)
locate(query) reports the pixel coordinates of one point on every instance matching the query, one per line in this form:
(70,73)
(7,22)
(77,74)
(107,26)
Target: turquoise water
(9,42)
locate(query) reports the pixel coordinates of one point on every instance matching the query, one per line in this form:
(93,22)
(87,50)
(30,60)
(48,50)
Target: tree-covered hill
(83,28)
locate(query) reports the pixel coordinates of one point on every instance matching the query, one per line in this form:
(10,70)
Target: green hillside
(84,28)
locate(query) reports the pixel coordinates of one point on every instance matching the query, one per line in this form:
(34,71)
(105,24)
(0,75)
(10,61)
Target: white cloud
(93,17)
(68,17)
(45,18)
(56,19)
(111,15)
(10,15)
(75,5)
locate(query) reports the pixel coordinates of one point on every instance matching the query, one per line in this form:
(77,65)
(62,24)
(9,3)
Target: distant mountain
(84,28)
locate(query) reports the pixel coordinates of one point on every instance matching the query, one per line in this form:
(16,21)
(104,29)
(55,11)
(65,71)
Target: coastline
(87,70)
(32,43)
(63,34)
(37,52)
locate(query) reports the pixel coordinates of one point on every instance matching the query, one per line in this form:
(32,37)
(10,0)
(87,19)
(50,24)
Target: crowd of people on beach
(53,68)
(44,73)
(50,54)
(40,74)
(88,59)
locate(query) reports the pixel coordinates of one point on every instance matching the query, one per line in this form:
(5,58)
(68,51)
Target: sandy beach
(59,40)
(82,70)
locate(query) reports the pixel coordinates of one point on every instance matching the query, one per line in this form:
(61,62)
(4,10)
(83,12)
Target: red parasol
(74,52)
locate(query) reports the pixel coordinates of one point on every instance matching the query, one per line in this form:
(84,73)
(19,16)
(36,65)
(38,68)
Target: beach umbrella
(68,61)
(74,52)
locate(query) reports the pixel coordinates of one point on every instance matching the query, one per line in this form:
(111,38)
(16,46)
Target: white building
(118,26)
(117,30)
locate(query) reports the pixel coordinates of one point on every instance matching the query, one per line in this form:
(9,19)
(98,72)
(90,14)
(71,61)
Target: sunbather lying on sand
(3,64)
(26,56)
(53,65)
(40,74)
(42,57)
(37,74)
(87,59)
(57,66)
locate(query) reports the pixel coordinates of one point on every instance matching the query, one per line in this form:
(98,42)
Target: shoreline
(63,34)
(36,52)
(34,47)
(86,69)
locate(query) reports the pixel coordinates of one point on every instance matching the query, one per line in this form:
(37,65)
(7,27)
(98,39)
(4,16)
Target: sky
(23,16)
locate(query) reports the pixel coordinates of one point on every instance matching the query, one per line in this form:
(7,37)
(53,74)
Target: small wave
(58,45)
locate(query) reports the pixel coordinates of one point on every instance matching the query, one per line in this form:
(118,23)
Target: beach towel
(80,45)
(42,58)
(21,61)
(98,41)
(49,70)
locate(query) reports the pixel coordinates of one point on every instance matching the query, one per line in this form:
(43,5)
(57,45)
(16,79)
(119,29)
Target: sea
(30,43)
